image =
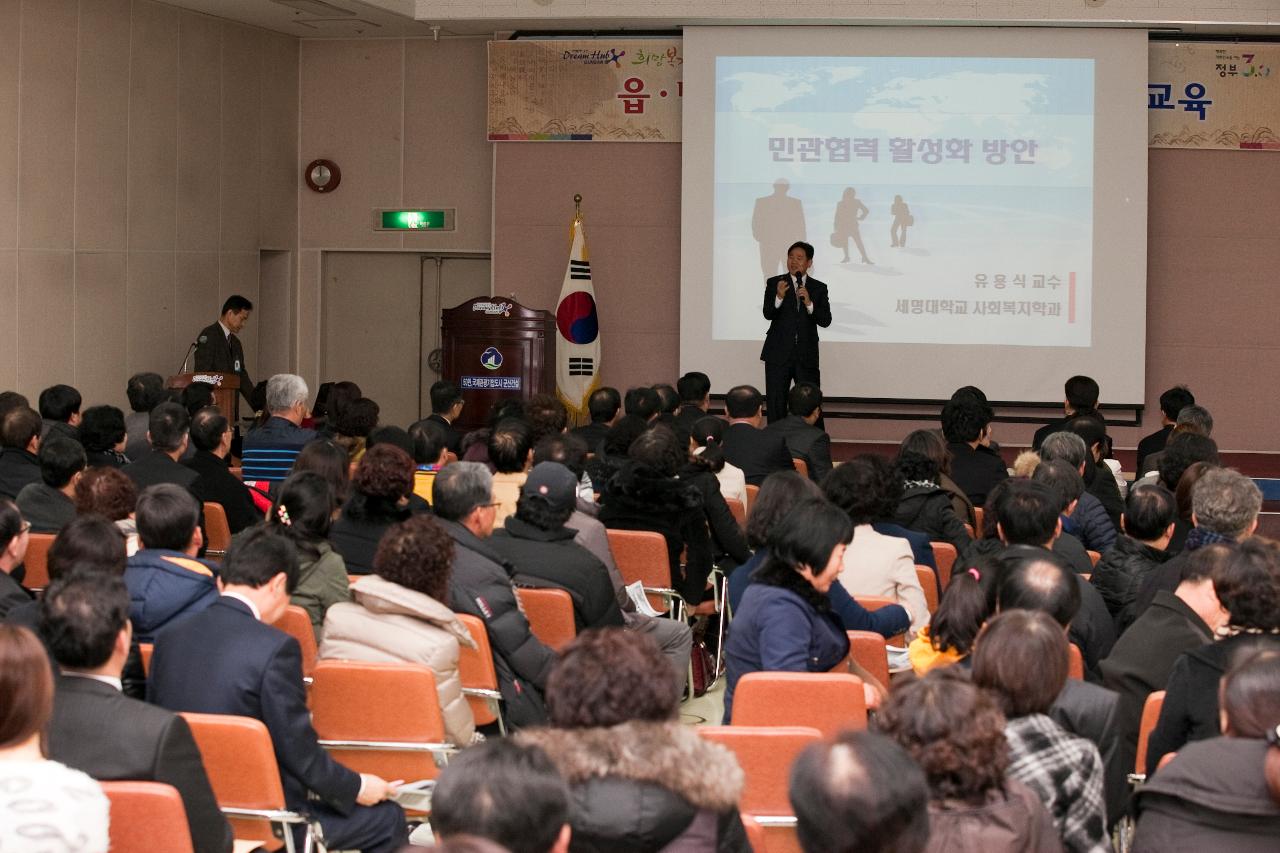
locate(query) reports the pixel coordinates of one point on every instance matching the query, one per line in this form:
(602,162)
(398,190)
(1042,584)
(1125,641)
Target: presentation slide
(976,199)
(957,194)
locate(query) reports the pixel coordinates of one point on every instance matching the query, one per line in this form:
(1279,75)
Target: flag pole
(577,206)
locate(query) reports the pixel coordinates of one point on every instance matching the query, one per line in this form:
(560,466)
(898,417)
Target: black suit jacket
(757,452)
(805,441)
(224,661)
(1150,445)
(688,415)
(216,484)
(222,353)
(454,438)
(793,331)
(157,467)
(99,731)
(593,434)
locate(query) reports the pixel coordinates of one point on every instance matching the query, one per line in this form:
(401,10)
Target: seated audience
(250,669)
(102,434)
(668,403)
(1248,585)
(475,444)
(758,452)
(1182,496)
(955,732)
(638,778)
(303,512)
(211,435)
(1176,622)
(694,389)
(1192,420)
(19,444)
(861,793)
(546,416)
(867,490)
(430,449)
(708,432)
(145,392)
(166,582)
(925,506)
(381,485)
(168,433)
(779,494)
(352,428)
(331,399)
(14,537)
(949,636)
(507,792)
(446,407)
(44,805)
(1223,793)
(1146,526)
(785,622)
(270,449)
(805,440)
(1080,396)
(975,466)
(1090,522)
(510,454)
(60,410)
(108,493)
(538,543)
(728,546)
(648,494)
(1225,506)
(605,409)
(1171,403)
(480,585)
(399,615)
(1065,481)
(329,461)
(48,505)
(84,619)
(611,454)
(1021,655)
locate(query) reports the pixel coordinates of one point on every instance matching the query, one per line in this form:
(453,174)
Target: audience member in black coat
(47,505)
(1080,395)
(695,399)
(1098,479)
(758,452)
(13,547)
(381,487)
(925,506)
(20,440)
(1172,402)
(1148,523)
(211,434)
(729,544)
(103,435)
(168,431)
(975,467)
(605,407)
(446,407)
(805,439)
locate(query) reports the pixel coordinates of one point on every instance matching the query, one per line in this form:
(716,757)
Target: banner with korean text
(594,90)
(1214,95)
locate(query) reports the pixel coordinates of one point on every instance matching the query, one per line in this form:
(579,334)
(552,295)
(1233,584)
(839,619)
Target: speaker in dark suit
(218,346)
(795,306)
(224,660)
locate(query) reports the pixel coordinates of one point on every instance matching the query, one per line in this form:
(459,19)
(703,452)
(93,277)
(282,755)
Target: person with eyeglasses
(14,536)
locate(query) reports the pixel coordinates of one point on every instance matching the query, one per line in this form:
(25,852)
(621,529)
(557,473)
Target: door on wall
(380,322)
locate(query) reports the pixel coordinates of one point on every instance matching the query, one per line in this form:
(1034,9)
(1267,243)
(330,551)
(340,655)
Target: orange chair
(380,718)
(827,701)
(978,519)
(1150,716)
(550,615)
(929,583)
(641,555)
(739,510)
(867,650)
(765,755)
(296,623)
(37,561)
(752,491)
(147,816)
(772,833)
(801,466)
(479,676)
(241,764)
(1075,662)
(1094,557)
(145,651)
(875,602)
(944,555)
(237,472)
(218,531)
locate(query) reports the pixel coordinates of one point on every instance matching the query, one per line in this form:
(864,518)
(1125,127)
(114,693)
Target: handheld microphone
(197,342)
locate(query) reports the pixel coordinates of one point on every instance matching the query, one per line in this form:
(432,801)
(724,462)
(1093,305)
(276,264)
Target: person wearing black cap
(544,552)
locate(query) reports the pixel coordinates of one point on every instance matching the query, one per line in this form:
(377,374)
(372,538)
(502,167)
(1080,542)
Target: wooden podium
(496,348)
(226,389)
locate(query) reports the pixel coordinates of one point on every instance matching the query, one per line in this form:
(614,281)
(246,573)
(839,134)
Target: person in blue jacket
(785,622)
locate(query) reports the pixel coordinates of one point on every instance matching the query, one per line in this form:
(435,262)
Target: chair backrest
(739,510)
(550,615)
(944,555)
(1075,662)
(296,623)
(145,651)
(978,519)
(218,531)
(827,701)
(801,466)
(641,555)
(771,833)
(476,669)
(376,702)
(37,561)
(1150,715)
(929,583)
(1094,557)
(147,816)
(875,602)
(867,650)
(765,754)
(752,492)
(241,765)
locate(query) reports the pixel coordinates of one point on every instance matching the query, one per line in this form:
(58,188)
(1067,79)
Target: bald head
(1038,580)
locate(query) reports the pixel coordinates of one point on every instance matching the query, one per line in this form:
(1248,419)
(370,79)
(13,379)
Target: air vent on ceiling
(314,7)
(344,25)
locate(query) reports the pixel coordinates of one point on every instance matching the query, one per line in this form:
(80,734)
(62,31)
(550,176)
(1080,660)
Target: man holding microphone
(795,306)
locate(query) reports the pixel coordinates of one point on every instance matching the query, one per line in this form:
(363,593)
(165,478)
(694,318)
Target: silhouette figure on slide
(902,219)
(776,222)
(849,212)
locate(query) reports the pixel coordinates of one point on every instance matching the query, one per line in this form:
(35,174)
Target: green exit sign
(440,219)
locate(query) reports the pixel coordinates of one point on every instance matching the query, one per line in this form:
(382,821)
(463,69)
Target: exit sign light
(441,219)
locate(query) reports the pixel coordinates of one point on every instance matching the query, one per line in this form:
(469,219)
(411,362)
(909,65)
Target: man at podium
(218,346)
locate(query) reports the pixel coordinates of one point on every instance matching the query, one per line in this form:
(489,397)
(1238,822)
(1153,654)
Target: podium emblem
(491,358)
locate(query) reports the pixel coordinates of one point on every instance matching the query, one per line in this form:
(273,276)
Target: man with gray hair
(480,585)
(1090,522)
(270,449)
(1224,508)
